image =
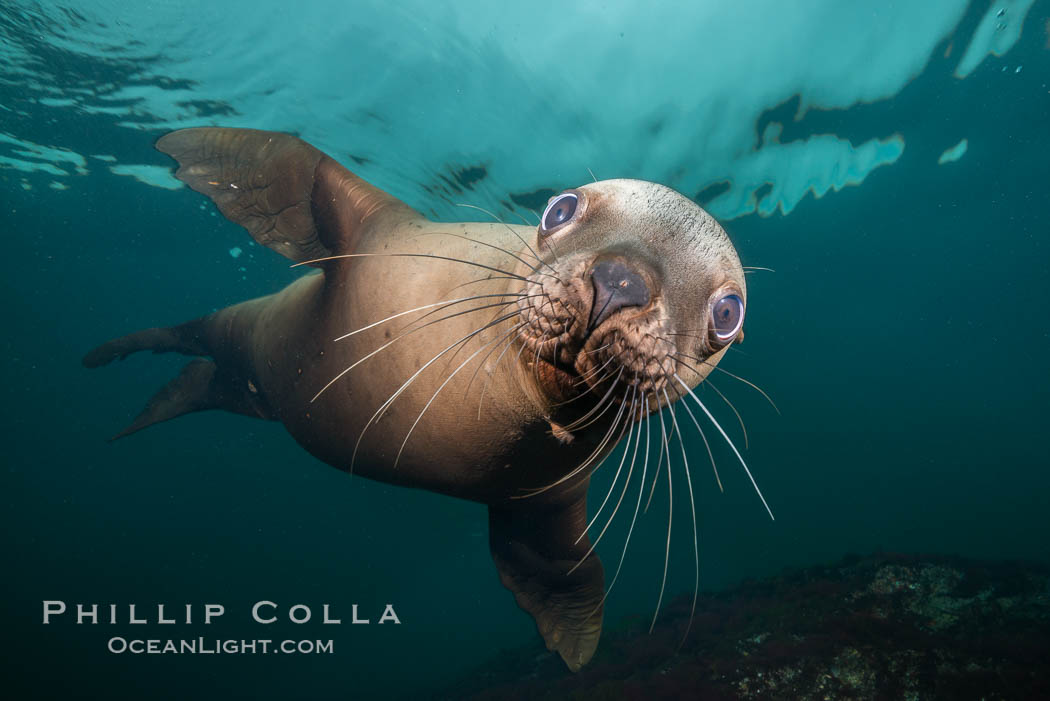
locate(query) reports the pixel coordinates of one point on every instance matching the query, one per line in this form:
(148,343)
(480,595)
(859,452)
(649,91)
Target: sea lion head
(640,288)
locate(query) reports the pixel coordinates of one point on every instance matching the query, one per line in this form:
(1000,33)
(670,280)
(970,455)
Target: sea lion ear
(534,552)
(290,196)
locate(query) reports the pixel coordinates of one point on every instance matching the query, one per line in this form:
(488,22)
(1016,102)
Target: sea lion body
(283,345)
(491,362)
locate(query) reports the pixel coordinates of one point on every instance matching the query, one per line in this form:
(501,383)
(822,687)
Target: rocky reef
(876,627)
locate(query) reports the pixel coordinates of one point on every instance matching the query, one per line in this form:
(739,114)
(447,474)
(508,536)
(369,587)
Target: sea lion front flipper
(290,196)
(533,548)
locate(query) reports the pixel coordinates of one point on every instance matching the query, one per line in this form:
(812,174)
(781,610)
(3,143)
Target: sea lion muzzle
(616,286)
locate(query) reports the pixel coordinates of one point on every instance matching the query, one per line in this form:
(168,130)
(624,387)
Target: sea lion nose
(615,286)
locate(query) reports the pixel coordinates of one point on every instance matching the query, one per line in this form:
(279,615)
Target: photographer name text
(264,612)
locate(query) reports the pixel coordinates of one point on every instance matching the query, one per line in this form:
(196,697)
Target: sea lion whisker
(583,465)
(660,458)
(750,384)
(729,441)
(599,348)
(597,376)
(707,381)
(752,268)
(410,380)
(616,479)
(599,314)
(601,401)
(703,437)
(536,360)
(585,378)
(485,387)
(590,388)
(510,341)
(725,399)
(452,357)
(601,447)
(637,505)
(586,416)
(521,260)
(443,385)
(549,240)
(670,515)
(577,426)
(692,509)
(489,278)
(519,215)
(448,302)
(493,246)
(395,340)
(683,335)
(521,348)
(520,238)
(411,255)
(516,298)
(536,363)
(550,301)
(499,219)
(623,492)
(656,477)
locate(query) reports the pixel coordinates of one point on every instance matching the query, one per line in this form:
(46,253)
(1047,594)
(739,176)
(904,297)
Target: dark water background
(903,336)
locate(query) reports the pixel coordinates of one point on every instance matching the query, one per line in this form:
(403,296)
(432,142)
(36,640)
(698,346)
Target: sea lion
(491,362)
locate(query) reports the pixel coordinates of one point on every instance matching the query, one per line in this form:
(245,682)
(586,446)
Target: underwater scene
(516,250)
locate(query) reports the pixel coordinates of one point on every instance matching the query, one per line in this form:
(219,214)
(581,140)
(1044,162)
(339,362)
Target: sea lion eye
(560,210)
(727,316)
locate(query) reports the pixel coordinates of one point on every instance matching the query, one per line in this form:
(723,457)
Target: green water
(902,335)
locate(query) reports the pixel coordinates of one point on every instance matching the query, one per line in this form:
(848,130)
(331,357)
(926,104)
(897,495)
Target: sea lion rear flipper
(199,387)
(534,552)
(290,196)
(184,339)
